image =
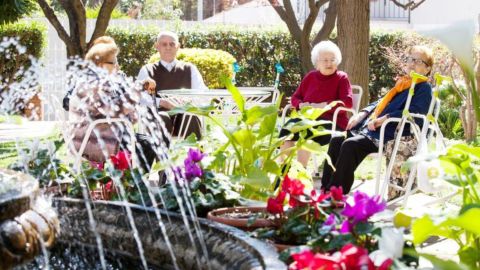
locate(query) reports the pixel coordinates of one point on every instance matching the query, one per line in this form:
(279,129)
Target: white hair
(170,34)
(326,46)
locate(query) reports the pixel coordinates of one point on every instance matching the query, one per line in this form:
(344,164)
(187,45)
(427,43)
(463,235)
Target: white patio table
(222,97)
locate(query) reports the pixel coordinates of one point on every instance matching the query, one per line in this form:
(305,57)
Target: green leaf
(245,138)
(268,127)
(422,228)
(257,178)
(470,255)
(236,95)
(440,264)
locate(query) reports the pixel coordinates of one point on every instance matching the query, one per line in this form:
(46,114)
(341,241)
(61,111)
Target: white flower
(390,246)
(429,176)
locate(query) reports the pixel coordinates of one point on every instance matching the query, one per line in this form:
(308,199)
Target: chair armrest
(335,115)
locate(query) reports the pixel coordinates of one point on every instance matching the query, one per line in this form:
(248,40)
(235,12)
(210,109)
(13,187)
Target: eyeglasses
(326,61)
(167,44)
(417,61)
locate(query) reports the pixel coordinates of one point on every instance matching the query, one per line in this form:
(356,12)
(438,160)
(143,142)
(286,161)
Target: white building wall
(436,12)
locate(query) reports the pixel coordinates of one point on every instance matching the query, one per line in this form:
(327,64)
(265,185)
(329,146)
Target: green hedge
(32,35)
(258,50)
(255,51)
(212,64)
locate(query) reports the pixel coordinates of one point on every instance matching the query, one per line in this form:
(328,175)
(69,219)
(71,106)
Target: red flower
(307,260)
(293,187)
(274,206)
(386,264)
(121,161)
(354,258)
(337,193)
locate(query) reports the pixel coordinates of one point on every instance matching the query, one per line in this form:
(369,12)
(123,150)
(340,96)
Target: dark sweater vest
(179,77)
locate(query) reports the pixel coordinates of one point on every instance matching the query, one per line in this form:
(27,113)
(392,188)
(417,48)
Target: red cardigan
(318,88)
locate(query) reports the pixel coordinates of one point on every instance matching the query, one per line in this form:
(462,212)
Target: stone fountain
(27,223)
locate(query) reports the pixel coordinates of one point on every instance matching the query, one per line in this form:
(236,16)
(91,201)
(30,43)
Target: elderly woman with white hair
(318,88)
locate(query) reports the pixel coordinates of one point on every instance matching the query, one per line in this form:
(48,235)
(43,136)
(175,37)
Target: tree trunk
(75,39)
(353,26)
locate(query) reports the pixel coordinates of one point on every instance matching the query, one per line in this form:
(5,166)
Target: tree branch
(288,16)
(103,19)
(328,24)
(312,17)
(409,5)
(53,19)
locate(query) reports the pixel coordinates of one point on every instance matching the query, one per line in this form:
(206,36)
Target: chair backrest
(357,92)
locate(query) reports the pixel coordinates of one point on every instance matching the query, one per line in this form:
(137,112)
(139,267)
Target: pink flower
(121,161)
(363,207)
(97,165)
(109,186)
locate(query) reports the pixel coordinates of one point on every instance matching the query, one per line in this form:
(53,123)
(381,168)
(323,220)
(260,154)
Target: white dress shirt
(196,77)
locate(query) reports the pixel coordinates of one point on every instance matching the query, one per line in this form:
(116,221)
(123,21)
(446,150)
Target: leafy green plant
(39,159)
(461,164)
(207,190)
(450,123)
(211,64)
(250,153)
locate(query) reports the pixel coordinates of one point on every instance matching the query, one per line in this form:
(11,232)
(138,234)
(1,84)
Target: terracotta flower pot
(239,217)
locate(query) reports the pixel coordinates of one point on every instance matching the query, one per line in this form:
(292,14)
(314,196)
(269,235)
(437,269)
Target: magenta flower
(363,207)
(195,155)
(192,169)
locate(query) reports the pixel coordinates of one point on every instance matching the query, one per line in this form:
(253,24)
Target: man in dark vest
(170,73)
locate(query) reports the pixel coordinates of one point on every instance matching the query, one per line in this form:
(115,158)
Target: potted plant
(202,188)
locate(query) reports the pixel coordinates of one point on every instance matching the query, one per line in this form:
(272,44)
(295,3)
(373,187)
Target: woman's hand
(354,120)
(376,123)
(149,85)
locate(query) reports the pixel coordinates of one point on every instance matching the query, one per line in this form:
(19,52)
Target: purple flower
(195,155)
(192,169)
(330,221)
(363,207)
(346,227)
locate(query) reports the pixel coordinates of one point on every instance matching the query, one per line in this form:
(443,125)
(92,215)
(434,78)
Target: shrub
(212,64)
(92,13)
(13,10)
(32,36)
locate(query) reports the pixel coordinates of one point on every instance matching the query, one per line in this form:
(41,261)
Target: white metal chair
(357,92)
(430,128)
(66,126)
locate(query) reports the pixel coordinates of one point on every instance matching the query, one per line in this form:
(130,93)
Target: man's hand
(354,120)
(166,104)
(149,85)
(376,123)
